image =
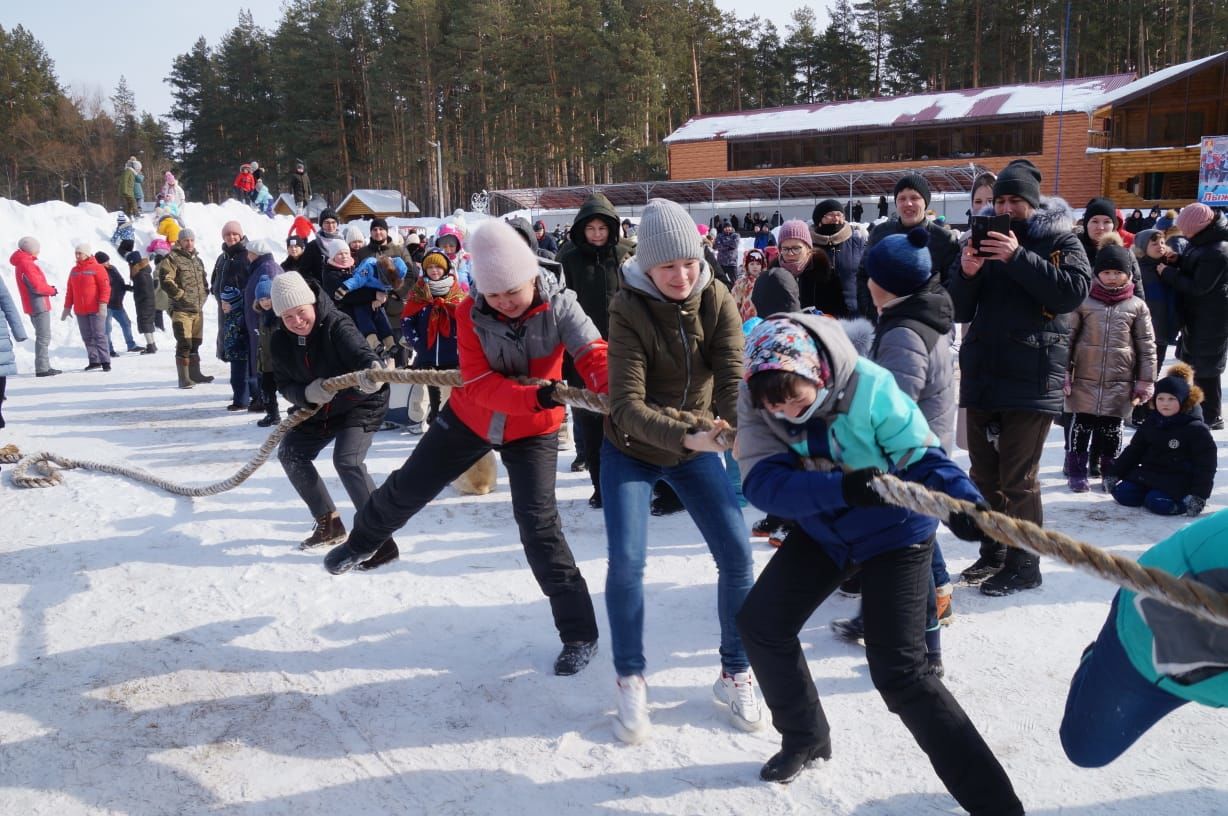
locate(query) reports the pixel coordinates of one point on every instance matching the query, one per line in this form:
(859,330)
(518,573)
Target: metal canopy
(716,191)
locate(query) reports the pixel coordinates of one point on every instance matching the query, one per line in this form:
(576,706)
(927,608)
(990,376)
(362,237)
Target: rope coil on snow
(1191,596)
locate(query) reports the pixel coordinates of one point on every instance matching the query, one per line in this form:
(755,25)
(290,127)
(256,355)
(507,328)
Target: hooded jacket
(944,256)
(1015,353)
(1176,455)
(864,421)
(913,342)
(545,257)
(32,284)
(1202,288)
(89,288)
(143,295)
(1112,347)
(11,328)
(1161,299)
(685,355)
(494,349)
(844,249)
(592,272)
(333,347)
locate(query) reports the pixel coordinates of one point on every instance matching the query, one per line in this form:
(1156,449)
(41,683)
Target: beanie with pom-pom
(901,264)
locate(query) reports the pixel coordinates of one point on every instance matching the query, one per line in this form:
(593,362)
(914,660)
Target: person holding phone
(1013,359)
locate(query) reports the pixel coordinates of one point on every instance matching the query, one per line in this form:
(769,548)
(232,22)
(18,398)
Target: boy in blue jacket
(809,399)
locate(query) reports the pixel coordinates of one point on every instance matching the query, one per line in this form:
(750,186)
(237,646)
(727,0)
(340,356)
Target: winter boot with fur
(181,366)
(1076,465)
(194,370)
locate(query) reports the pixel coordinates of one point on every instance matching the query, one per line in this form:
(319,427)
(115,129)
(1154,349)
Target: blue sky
(94,43)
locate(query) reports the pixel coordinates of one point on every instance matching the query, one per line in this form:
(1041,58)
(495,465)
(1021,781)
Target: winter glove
(1194,505)
(316,393)
(1066,383)
(546,396)
(368,384)
(855,486)
(1143,391)
(964,526)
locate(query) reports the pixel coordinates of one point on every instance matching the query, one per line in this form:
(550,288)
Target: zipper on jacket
(686,358)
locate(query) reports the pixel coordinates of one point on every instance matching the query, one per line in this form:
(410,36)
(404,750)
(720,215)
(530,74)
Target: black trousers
(1211,397)
(298,451)
(1097,436)
(1004,448)
(446,451)
(894,587)
(590,429)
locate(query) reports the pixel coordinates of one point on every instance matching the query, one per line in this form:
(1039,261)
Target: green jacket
(183,280)
(127,183)
(684,355)
(592,272)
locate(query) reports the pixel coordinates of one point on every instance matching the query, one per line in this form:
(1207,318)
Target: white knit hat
(502,261)
(353,235)
(289,292)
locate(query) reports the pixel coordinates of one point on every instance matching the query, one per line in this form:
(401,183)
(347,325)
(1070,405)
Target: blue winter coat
(10,327)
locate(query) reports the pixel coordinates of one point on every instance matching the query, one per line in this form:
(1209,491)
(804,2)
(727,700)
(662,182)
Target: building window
(887,145)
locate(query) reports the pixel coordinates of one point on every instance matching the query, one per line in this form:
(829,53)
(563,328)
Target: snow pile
(166,655)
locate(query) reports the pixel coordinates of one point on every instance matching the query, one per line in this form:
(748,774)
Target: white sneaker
(631,723)
(738,692)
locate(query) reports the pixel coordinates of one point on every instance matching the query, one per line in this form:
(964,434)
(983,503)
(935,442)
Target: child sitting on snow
(1169,465)
(381,273)
(123,230)
(1112,363)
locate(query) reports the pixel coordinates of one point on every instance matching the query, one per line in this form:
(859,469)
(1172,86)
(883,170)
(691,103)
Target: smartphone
(982,225)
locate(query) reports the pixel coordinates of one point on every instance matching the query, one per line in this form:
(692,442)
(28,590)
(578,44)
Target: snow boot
(328,530)
(574,657)
(181,366)
(272,416)
(194,370)
(1093,466)
(983,568)
(785,765)
(1106,467)
(665,501)
(1076,466)
(594,501)
(850,629)
(150,348)
(946,613)
(388,551)
(851,587)
(778,535)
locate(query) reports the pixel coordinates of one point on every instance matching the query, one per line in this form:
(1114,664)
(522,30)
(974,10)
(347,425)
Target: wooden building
(1149,139)
(368,204)
(1108,135)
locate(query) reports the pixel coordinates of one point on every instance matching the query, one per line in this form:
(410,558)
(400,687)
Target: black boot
(387,551)
(271,417)
(574,657)
(983,568)
(150,348)
(787,764)
(343,559)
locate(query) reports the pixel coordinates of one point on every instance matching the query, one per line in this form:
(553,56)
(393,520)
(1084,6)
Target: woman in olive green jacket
(675,341)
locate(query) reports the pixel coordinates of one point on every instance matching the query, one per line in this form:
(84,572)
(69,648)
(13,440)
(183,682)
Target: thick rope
(1192,596)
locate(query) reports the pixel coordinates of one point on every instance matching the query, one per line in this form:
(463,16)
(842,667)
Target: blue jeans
(704,489)
(125,324)
(735,477)
(1110,705)
(1133,494)
(938,566)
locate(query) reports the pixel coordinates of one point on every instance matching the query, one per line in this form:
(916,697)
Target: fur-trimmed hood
(1186,372)
(1052,217)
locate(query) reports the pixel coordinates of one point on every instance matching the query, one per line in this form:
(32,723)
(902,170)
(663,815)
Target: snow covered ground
(167,655)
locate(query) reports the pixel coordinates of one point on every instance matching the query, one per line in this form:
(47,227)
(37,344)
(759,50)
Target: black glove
(964,526)
(855,485)
(545,397)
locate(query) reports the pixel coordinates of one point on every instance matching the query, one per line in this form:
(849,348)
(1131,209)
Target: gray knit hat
(667,232)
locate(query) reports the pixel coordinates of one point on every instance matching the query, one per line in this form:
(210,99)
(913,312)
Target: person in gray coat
(11,329)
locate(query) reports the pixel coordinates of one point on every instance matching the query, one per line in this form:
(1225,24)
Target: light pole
(438,172)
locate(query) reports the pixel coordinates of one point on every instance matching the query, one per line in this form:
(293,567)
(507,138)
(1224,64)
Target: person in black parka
(317,341)
(1201,283)
(141,273)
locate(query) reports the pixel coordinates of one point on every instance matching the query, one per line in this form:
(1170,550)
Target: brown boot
(328,530)
(181,366)
(194,370)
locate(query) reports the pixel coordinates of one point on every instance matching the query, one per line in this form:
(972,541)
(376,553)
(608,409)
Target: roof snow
(1158,78)
(1084,95)
(381,201)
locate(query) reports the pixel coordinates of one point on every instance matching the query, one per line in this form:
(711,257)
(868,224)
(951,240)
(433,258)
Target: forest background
(529,93)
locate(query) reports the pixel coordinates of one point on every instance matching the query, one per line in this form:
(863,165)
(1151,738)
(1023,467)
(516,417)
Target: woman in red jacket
(36,296)
(89,289)
(518,323)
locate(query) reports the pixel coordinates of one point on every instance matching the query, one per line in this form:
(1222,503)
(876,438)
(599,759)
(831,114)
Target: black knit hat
(823,208)
(1176,385)
(1019,178)
(382,223)
(913,182)
(326,214)
(1101,206)
(1112,256)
